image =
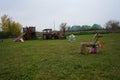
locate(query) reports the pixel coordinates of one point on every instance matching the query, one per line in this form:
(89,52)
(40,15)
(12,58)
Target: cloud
(43,13)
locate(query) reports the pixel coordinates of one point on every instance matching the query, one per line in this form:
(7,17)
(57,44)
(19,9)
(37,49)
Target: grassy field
(60,60)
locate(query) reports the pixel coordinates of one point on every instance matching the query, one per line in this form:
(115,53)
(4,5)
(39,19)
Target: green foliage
(59,60)
(86,27)
(4,35)
(5,22)
(75,28)
(96,27)
(87,32)
(9,26)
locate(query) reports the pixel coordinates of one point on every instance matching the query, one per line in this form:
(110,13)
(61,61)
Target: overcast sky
(46,13)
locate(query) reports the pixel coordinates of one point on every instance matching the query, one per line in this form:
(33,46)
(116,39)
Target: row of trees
(10,27)
(84,27)
(64,27)
(111,26)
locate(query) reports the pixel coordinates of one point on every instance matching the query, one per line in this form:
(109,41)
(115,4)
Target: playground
(60,59)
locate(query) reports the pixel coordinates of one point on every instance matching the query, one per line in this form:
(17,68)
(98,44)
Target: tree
(9,26)
(16,28)
(75,28)
(113,26)
(63,27)
(0,28)
(5,22)
(86,27)
(68,28)
(96,27)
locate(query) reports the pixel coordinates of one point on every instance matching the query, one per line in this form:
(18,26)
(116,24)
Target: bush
(4,35)
(87,32)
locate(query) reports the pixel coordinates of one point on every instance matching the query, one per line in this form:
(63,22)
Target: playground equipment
(92,44)
(72,38)
(19,38)
(30,33)
(95,47)
(49,34)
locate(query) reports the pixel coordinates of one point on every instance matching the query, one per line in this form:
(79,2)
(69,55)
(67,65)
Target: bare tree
(63,27)
(113,26)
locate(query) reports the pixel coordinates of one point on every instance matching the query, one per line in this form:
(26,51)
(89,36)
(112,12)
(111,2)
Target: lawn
(60,60)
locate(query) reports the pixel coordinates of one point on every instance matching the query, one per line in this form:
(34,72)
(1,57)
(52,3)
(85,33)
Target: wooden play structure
(49,34)
(91,44)
(30,33)
(19,38)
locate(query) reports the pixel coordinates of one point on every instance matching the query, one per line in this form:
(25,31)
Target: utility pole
(54,25)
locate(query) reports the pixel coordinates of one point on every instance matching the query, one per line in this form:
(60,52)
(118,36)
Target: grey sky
(44,13)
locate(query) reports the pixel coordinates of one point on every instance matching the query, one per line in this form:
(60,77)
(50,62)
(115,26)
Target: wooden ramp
(19,37)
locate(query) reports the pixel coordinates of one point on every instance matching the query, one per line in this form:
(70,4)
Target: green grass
(60,60)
